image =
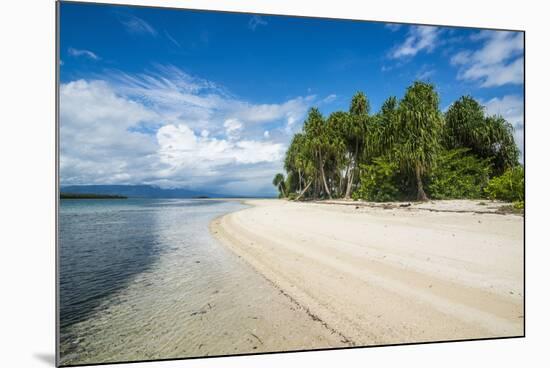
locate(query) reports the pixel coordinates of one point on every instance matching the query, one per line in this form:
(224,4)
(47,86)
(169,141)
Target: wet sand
(377,275)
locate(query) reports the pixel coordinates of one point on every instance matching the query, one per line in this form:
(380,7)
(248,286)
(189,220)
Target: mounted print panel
(234,183)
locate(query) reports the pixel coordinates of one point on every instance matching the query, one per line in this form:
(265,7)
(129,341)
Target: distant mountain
(140,191)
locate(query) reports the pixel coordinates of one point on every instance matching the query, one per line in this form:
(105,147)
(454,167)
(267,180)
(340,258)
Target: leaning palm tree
(279,182)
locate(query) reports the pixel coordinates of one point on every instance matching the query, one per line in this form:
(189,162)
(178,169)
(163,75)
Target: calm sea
(144,279)
(105,244)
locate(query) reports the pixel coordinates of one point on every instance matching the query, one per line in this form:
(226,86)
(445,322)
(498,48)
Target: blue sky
(181,98)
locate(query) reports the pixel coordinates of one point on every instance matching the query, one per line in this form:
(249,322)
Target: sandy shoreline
(384,276)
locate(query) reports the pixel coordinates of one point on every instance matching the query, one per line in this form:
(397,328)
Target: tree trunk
(324,178)
(300,180)
(352,171)
(421,196)
(282,189)
(305,190)
(346,176)
(340,183)
(316,187)
(350,183)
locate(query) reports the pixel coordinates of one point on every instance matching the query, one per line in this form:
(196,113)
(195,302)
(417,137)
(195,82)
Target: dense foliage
(488,137)
(507,187)
(379,181)
(458,174)
(407,150)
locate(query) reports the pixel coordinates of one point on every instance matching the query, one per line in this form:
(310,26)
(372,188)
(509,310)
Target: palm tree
(464,125)
(295,161)
(419,127)
(318,141)
(279,182)
(338,125)
(356,132)
(380,137)
(487,137)
(412,136)
(504,151)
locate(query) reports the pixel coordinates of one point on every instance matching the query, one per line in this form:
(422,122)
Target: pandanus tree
(292,162)
(464,125)
(329,156)
(338,125)
(487,137)
(412,135)
(318,142)
(419,129)
(323,145)
(503,148)
(355,135)
(279,182)
(298,164)
(379,139)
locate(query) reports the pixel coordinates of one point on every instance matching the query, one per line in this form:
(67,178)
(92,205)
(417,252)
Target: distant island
(90,196)
(141,191)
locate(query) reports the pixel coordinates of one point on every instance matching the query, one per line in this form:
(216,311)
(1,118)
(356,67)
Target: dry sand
(377,276)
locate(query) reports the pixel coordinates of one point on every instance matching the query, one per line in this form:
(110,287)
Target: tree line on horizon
(408,150)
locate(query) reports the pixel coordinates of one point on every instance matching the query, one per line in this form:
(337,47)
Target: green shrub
(378,181)
(507,187)
(519,205)
(458,174)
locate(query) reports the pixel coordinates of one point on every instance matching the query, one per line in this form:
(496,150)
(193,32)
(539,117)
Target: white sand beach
(379,275)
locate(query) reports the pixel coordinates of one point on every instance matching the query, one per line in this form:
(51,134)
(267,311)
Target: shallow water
(144,279)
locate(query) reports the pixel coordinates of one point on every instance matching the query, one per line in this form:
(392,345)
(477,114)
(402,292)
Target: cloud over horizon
(170,129)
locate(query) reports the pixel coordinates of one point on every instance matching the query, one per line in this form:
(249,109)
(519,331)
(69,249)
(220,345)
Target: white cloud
(498,62)
(256,21)
(180,148)
(171,129)
(290,111)
(462,57)
(419,38)
(511,108)
(86,53)
(95,141)
(425,74)
(394,27)
(204,104)
(330,98)
(233,128)
(137,25)
(171,39)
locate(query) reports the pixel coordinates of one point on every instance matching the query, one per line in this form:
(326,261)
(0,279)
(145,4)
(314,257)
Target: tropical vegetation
(408,150)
